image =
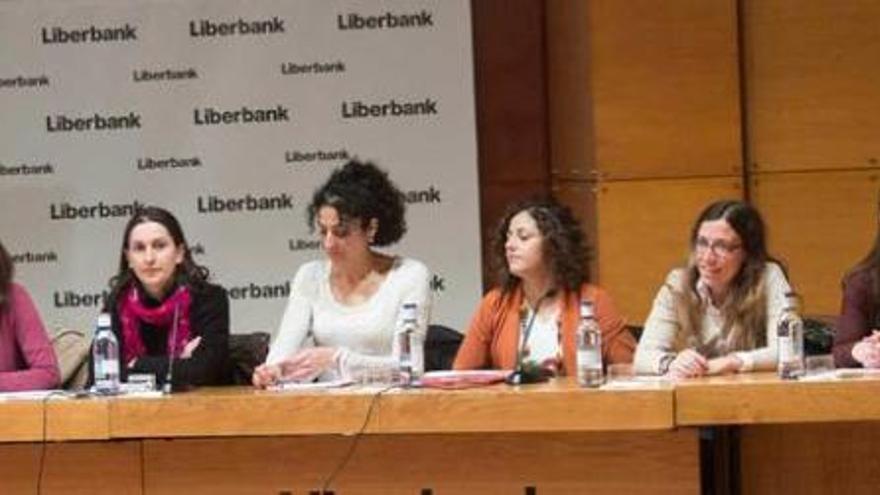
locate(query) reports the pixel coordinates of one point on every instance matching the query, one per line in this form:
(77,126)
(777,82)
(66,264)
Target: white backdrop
(149,74)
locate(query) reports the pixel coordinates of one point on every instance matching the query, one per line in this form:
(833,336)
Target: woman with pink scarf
(159,286)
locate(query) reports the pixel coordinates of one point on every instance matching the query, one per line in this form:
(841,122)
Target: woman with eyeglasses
(342,311)
(718,314)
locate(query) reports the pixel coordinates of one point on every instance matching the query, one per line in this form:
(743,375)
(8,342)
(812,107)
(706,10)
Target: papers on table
(841,374)
(290,386)
(638,382)
(453,379)
(34,395)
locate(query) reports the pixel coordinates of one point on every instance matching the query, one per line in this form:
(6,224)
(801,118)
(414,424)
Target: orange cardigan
(492,340)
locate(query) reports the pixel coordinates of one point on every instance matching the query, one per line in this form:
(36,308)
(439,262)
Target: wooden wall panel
(640,92)
(88,468)
(511,99)
(510,89)
(811,76)
(820,224)
(663,87)
(810,459)
(572,134)
(19,467)
(552,463)
(77,467)
(643,229)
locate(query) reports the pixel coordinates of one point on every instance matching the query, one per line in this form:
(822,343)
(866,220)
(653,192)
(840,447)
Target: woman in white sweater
(719,313)
(342,311)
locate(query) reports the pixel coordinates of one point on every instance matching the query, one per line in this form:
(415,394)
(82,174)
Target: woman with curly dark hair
(27,360)
(541,255)
(159,286)
(342,310)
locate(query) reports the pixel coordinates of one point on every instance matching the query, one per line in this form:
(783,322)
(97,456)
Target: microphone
(166,387)
(519,374)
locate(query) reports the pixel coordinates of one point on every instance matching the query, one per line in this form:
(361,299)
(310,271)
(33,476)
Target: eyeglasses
(719,248)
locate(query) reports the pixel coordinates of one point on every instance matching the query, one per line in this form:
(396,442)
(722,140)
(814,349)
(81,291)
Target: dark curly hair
(363,191)
(566,251)
(7,269)
(188,272)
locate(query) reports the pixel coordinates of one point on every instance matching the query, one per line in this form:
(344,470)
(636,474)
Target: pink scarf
(132,312)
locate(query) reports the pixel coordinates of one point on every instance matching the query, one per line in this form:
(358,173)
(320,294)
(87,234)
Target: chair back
(246,352)
(819,334)
(441,345)
(72,350)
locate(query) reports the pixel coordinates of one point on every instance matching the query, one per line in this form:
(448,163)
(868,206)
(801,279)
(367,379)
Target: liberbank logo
(298,156)
(24,81)
(205,28)
(196,249)
(143,75)
(244,115)
(94,122)
(25,169)
(303,244)
(30,257)
(249,202)
(358,109)
(388,20)
(91,34)
(429,195)
(66,298)
(99,210)
(259,291)
(295,69)
(437,283)
(172,163)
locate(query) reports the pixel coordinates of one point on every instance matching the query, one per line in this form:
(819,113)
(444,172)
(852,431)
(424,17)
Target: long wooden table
(546,439)
(794,437)
(555,438)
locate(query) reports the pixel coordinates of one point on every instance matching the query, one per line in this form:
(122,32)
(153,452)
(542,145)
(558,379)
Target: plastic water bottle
(105,356)
(790,341)
(589,348)
(409,345)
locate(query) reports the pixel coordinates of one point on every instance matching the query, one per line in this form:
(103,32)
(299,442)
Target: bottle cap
(104,320)
(586,308)
(409,311)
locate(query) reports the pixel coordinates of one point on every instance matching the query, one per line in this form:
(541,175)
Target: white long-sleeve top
(658,338)
(364,333)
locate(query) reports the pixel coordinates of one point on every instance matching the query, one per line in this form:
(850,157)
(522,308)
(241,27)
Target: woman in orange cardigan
(541,253)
